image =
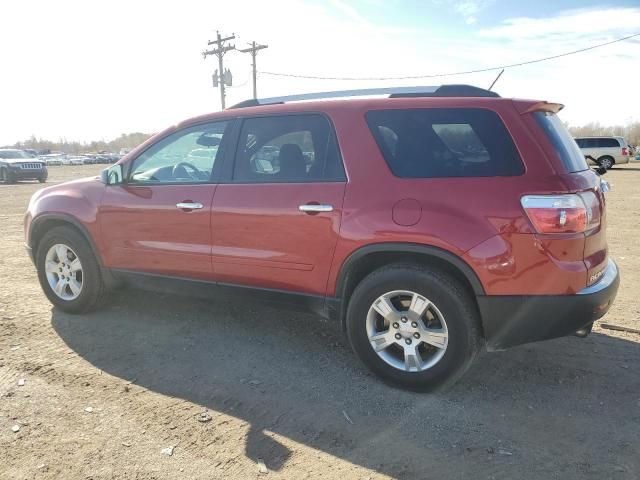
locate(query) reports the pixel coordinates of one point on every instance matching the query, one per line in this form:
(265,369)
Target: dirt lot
(105,393)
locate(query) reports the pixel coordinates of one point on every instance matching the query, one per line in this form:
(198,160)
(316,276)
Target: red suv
(430,223)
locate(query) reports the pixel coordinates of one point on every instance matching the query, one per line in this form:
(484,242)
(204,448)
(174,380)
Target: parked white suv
(605,151)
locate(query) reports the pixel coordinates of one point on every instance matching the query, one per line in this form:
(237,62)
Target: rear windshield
(565,146)
(434,142)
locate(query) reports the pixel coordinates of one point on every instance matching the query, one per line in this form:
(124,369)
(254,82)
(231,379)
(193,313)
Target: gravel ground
(231,387)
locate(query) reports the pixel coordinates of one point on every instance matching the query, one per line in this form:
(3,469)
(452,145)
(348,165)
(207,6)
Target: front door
(158,220)
(276,218)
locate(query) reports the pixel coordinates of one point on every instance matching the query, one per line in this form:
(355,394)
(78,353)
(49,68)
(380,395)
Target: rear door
(159,219)
(276,218)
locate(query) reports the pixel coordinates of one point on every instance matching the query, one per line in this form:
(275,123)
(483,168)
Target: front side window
(432,143)
(290,148)
(187,156)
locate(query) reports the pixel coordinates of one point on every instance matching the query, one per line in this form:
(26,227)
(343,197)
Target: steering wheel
(180,171)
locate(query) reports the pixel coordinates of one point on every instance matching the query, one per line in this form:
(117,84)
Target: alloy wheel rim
(407,331)
(64,272)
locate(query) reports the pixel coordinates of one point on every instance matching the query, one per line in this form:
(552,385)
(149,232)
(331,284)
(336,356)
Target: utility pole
(254,50)
(219,52)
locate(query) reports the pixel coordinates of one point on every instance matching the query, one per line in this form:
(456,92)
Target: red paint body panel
(143,230)
(260,238)
(254,234)
(79,199)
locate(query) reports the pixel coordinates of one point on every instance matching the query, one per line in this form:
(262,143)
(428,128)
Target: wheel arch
(367,259)
(45,222)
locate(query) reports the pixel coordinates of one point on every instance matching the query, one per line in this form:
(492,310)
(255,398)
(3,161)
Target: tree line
(630,131)
(125,140)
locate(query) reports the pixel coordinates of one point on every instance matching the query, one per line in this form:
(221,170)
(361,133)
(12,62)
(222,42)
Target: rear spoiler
(530,106)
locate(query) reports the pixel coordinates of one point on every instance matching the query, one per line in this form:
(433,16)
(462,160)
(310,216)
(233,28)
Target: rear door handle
(311,208)
(189,205)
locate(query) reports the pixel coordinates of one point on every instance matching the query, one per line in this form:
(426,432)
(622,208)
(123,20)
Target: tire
(42,180)
(451,309)
(92,284)
(8,177)
(606,162)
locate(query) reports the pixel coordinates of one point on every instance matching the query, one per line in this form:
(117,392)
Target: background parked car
(52,159)
(76,160)
(19,165)
(605,151)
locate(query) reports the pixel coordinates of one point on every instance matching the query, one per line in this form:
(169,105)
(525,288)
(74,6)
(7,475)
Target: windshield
(563,143)
(14,154)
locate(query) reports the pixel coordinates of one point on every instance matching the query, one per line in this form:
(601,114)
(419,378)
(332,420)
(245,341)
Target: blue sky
(88,70)
(442,14)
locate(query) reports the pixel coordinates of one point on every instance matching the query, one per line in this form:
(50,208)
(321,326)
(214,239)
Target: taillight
(568,213)
(625,152)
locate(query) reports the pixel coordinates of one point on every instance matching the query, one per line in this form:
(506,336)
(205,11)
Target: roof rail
(392,92)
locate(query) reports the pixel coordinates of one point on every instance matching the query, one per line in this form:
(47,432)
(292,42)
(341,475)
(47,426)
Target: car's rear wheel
(68,271)
(42,179)
(414,327)
(606,162)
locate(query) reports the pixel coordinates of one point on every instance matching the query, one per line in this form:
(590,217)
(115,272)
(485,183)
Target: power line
(450,74)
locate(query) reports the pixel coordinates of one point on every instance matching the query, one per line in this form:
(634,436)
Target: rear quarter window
(609,143)
(564,145)
(433,143)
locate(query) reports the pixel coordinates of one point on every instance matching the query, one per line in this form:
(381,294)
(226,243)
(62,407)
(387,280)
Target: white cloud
(469,9)
(584,23)
(349,11)
(85,70)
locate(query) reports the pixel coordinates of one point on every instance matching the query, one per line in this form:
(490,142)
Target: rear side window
(289,148)
(565,146)
(608,143)
(434,142)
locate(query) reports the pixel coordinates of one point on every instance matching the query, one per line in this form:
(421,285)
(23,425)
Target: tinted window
(607,143)
(187,156)
(426,143)
(565,146)
(291,148)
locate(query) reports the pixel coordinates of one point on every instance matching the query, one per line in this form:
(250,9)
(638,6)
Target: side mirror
(112,175)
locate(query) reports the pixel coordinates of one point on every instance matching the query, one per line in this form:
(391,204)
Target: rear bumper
(513,320)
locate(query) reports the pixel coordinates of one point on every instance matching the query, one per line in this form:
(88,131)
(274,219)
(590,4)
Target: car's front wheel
(68,271)
(414,327)
(606,162)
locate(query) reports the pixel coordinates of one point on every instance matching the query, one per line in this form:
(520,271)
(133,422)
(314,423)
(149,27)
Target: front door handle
(314,208)
(189,205)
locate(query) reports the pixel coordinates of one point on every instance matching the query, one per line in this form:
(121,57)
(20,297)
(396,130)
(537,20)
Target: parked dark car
(19,165)
(429,224)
